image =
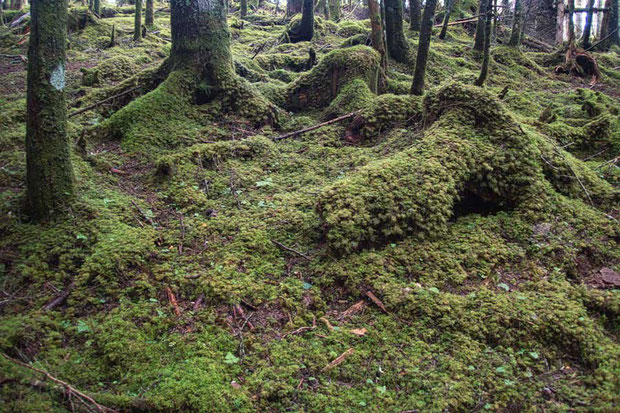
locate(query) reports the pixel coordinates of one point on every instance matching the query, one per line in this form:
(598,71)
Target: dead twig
(70,390)
(173,301)
(375,300)
(284,247)
(311,128)
(150,221)
(60,298)
(96,104)
(338,360)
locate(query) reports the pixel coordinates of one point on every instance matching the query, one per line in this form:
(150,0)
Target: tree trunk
(517,25)
(305,29)
(376,35)
(293,7)
(612,27)
(137,25)
(97,7)
(414,15)
(487,44)
(588,26)
(149,17)
(446,19)
(244,9)
(571,21)
(397,44)
(428,19)
(326,9)
(479,38)
(49,174)
(17,4)
(559,22)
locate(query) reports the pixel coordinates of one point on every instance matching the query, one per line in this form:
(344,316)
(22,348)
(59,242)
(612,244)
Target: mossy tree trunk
(244,8)
(446,19)
(484,70)
(97,7)
(559,22)
(149,17)
(426,30)
(571,21)
(293,7)
(415,11)
(137,25)
(17,4)
(334,10)
(305,29)
(588,26)
(326,8)
(49,174)
(376,34)
(479,37)
(517,25)
(612,26)
(397,45)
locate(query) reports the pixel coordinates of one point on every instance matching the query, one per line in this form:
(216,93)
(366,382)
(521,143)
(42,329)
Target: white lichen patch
(57,79)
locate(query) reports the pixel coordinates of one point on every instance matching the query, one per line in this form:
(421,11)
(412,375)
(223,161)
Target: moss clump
(353,96)
(322,84)
(348,28)
(111,70)
(415,191)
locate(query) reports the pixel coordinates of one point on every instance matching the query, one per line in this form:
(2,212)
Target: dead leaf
(358,331)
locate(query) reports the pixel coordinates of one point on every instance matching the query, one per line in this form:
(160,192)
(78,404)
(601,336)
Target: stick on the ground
(284,247)
(70,389)
(94,105)
(150,221)
(320,125)
(60,298)
(338,360)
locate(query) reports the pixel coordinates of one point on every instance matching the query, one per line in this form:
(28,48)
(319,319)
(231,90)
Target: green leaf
(504,286)
(500,369)
(307,286)
(381,389)
(265,182)
(534,355)
(231,358)
(82,327)
(81,237)
(434,290)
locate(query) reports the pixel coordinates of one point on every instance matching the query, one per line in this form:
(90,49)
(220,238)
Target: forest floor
(457,252)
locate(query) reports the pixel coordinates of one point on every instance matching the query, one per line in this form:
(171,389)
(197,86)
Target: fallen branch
(601,41)
(94,105)
(284,247)
(150,221)
(173,302)
(60,298)
(70,390)
(375,300)
(462,21)
(320,125)
(338,360)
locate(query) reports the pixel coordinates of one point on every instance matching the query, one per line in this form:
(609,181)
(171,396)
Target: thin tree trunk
(588,26)
(49,173)
(446,19)
(326,9)
(17,4)
(479,37)
(517,25)
(244,9)
(149,17)
(293,7)
(487,44)
(415,12)
(397,44)
(137,25)
(426,30)
(305,29)
(571,21)
(612,27)
(335,9)
(559,22)
(97,7)
(376,35)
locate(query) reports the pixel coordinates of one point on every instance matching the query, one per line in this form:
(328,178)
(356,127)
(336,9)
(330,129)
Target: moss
(111,70)
(336,69)
(353,96)
(348,28)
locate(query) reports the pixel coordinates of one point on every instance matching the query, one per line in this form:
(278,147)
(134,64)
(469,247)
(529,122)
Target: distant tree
(49,174)
(376,34)
(426,30)
(325,7)
(334,9)
(487,43)
(612,31)
(137,25)
(517,25)
(397,45)
(244,9)
(17,4)
(97,7)
(415,12)
(588,26)
(305,29)
(293,7)
(446,19)
(571,21)
(149,17)
(479,36)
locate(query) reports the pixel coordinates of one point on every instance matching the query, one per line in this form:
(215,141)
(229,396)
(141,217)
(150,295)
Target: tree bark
(137,25)
(426,30)
(293,7)
(479,37)
(397,45)
(517,25)
(49,173)
(305,29)
(414,15)
(559,22)
(376,34)
(614,37)
(571,21)
(149,17)
(487,44)
(335,9)
(97,7)
(244,9)
(446,19)
(17,4)
(588,26)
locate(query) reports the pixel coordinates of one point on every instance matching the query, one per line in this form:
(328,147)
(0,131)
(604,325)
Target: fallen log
(96,104)
(320,125)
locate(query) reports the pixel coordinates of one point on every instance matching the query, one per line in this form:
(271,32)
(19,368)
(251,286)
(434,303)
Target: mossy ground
(490,278)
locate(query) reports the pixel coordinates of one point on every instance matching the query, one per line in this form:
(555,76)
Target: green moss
(353,96)
(111,70)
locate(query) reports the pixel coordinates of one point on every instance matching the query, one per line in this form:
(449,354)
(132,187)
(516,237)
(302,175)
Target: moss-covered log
(49,171)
